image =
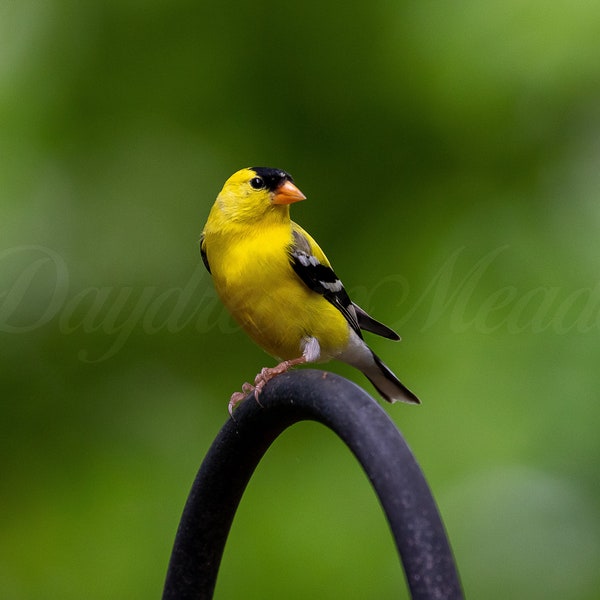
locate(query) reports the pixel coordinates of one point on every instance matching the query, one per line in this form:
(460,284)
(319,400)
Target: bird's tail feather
(387,384)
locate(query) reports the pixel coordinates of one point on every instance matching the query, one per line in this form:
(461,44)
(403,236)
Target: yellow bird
(279,286)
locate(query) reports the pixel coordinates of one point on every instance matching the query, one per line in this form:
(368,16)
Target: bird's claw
(237,397)
(265,375)
(247,388)
(260,381)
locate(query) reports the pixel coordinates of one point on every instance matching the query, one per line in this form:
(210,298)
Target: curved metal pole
(375,441)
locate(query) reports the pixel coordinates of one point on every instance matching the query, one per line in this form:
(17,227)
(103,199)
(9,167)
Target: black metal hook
(368,432)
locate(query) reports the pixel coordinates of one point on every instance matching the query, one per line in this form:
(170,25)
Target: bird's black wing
(203,253)
(321,279)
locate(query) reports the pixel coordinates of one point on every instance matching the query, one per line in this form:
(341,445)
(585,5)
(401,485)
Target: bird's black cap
(273,178)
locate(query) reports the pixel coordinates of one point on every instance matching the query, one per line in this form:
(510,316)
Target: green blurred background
(450,155)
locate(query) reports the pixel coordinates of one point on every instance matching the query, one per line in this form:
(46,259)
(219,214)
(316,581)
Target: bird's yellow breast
(255,280)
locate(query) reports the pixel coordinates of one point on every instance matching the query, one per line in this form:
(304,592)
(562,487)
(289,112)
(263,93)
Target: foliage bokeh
(450,156)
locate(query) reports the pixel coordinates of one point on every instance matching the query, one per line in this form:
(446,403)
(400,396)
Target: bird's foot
(265,375)
(237,397)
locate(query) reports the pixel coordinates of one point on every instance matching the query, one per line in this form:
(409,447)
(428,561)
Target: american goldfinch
(279,286)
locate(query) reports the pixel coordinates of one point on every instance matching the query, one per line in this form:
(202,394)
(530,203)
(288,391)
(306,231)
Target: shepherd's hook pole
(368,432)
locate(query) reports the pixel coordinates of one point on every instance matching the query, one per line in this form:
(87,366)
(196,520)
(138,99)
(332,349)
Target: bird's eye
(257,183)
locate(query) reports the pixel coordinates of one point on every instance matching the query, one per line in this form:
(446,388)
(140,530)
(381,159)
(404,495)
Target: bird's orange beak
(287,193)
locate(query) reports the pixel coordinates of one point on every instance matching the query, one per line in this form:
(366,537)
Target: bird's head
(252,193)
